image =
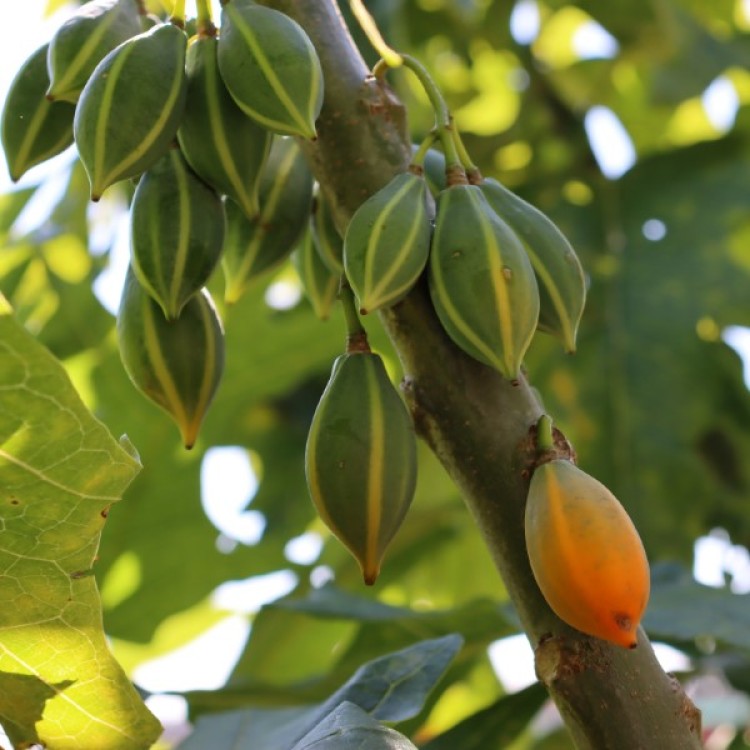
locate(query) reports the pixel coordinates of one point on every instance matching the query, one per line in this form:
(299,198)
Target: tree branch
(479,424)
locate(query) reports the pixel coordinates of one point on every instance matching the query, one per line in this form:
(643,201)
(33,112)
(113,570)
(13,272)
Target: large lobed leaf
(60,471)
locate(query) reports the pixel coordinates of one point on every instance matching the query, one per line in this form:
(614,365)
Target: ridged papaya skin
(34,129)
(320,284)
(270,67)
(177,232)
(481,281)
(221,143)
(177,364)
(254,246)
(360,459)
(387,243)
(562,284)
(586,554)
(328,242)
(78,46)
(131,107)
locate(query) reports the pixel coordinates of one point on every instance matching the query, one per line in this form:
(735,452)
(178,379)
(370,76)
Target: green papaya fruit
(328,241)
(481,281)
(361,458)
(176,363)
(131,107)
(83,40)
(562,285)
(270,67)
(434,169)
(177,232)
(387,242)
(34,129)
(221,143)
(320,284)
(253,246)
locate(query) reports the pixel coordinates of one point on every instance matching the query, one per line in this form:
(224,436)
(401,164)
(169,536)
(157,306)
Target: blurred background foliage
(628,123)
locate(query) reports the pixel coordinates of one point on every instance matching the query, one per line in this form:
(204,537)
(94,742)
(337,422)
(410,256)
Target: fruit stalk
(205,21)
(610,698)
(544,438)
(356,336)
(443,119)
(392,58)
(178,14)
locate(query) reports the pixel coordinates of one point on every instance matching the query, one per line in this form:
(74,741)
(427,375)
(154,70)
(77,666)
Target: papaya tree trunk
(480,425)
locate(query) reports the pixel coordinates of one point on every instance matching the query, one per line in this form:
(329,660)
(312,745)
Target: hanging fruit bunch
(211,127)
(203,124)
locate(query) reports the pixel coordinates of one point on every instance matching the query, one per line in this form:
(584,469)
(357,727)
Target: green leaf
(497,725)
(60,471)
(345,631)
(348,727)
(391,688)
(682,610)
(271,729)
(410,675)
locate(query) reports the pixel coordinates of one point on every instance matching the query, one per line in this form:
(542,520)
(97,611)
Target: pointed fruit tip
(190,433)
(370,574)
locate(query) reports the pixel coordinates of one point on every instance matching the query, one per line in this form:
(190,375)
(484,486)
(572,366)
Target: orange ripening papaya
(586,554)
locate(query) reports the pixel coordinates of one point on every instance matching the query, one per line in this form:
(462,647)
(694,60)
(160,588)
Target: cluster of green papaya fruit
(498,268)
(209,126)
(203,125)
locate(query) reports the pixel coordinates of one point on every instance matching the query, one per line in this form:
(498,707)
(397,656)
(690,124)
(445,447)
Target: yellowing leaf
(60,471)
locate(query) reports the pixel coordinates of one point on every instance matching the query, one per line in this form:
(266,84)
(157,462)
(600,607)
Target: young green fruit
(320,284)
(328,241)
(131,107)
(175,363)
(387,242)
(220,142)
(481,281)
(34,129)
(586,554)
(253,246)
(83,40)
(434,169)
(177,232)
(360,459)
(270,67)
(562,286)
